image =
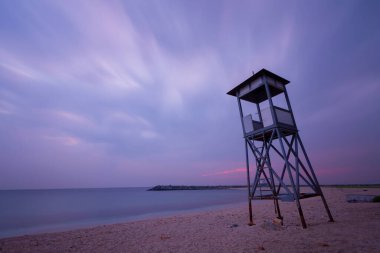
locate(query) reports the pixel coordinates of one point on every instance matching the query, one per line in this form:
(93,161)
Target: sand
(357,229)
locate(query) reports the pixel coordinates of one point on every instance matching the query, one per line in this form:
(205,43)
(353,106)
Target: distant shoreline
(217,187)
(226,187)
(193,187)
(351,185)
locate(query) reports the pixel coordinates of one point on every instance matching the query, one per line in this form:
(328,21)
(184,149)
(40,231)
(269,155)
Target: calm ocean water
(34,211)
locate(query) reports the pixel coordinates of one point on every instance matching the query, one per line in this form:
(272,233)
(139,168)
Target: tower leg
(248,184)
(250,213)
(331,219)
(303,222)
(278,212)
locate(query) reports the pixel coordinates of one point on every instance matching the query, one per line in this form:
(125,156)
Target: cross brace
(286,183)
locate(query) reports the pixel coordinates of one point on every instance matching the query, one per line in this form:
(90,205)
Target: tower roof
(257,93)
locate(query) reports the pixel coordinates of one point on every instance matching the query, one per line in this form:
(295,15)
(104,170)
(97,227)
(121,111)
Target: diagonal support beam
(311,184)
(331,219)
(296,196)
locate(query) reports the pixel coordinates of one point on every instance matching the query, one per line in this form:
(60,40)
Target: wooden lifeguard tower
(283,169)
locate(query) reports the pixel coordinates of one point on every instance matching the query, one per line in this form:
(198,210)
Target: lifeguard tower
(283,169)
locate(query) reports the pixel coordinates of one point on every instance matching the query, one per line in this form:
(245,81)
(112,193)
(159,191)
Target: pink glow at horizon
(128,93)
(225,172)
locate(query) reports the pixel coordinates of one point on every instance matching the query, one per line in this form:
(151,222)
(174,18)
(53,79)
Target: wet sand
(356,229)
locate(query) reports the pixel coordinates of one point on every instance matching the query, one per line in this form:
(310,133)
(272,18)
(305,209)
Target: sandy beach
(356,229)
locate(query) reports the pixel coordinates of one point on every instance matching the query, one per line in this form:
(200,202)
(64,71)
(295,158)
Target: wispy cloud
(6,108)
(136,82)
(66,140)
(72,118)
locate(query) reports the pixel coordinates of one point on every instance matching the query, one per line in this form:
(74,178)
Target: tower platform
(265,133)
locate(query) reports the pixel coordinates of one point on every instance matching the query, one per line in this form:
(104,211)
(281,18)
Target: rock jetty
(187,187)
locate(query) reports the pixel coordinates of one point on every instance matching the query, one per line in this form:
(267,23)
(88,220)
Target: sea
(24,212)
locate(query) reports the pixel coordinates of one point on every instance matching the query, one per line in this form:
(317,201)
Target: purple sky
(132,93)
